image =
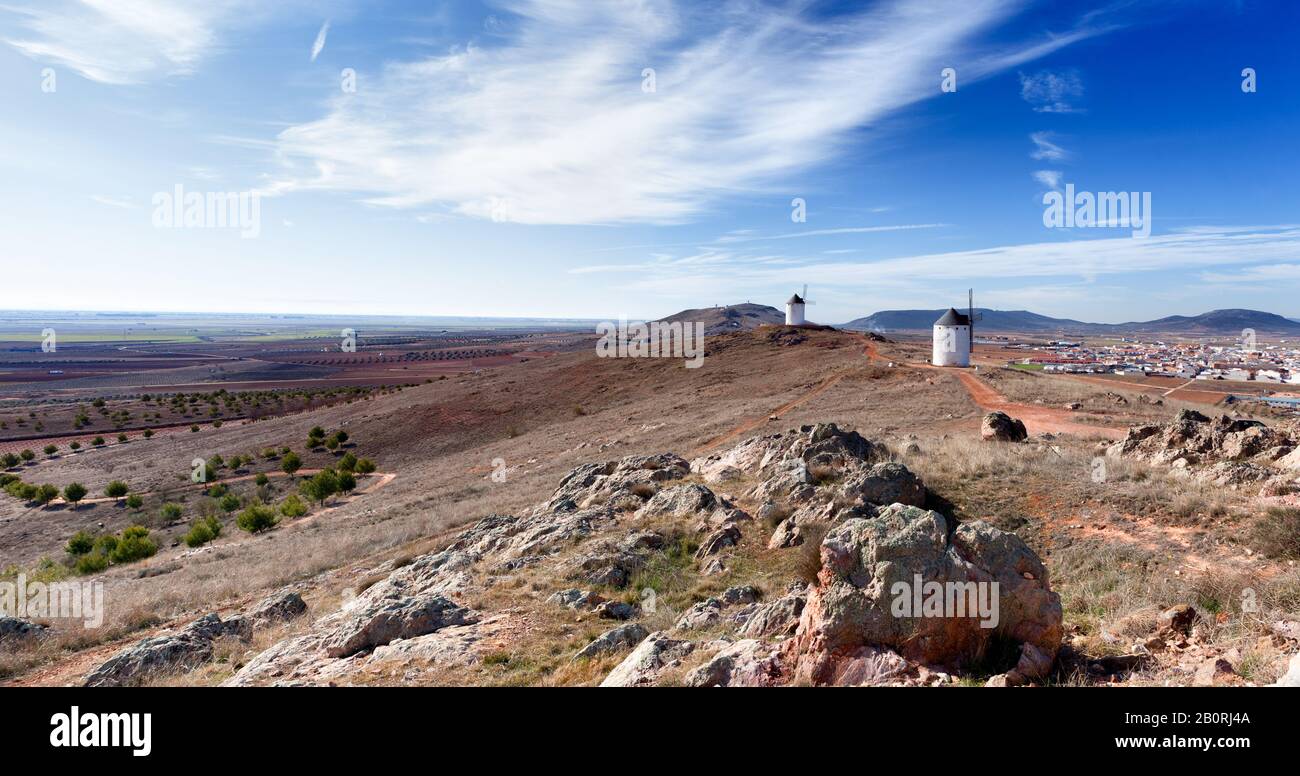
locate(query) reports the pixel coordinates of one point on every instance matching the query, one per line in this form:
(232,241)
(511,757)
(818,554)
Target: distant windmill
(794,308)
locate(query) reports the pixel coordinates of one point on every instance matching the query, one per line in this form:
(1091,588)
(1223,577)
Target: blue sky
(506,158)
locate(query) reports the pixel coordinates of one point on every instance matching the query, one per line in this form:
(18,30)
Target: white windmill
(794,307)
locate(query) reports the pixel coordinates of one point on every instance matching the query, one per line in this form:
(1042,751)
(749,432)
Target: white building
(794,311)
(951,340)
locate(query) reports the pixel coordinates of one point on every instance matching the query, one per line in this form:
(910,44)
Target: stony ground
(672,552)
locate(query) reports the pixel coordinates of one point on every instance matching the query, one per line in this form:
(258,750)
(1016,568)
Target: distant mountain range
(1230,322)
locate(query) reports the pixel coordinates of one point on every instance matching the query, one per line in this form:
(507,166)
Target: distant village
(1262,363)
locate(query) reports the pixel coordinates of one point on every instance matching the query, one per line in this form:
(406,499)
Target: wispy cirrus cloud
(1225,254)
(319,45)
(1052,92)
(1045,148)
(551,124)
(1049,178)
(127,41)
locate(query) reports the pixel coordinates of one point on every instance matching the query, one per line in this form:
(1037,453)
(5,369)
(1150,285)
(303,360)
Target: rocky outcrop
(1224,451)
(883,483)
(649,661)
(779,617)
(977,584)
(14,629)
(746,663)
(184,650)
(998,426)
(615,640)
(279,608)
(398,618)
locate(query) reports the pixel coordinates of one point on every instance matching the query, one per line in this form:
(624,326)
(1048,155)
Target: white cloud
(126,41)
(1264,251)
(551,124)
(319,45)
(1049,178)
(1050,92)
(122,202)
(1046,149)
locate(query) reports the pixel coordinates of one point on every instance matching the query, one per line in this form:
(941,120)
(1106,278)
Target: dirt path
(1037,419)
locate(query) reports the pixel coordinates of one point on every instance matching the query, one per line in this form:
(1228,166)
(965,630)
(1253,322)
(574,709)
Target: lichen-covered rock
(884,484)
(868,565)
(998,426)
(402,618)
(278,608)
(779,617)
(746,663)
(690,499)
(180,651)
(728,535)
(648,661)
(17,629)
(615,640)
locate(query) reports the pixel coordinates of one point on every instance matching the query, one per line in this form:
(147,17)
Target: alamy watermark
(53,600)
(656,339)
(240,210)
(1113,209)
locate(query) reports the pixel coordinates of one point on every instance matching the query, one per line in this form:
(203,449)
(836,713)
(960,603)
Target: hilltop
(732,317)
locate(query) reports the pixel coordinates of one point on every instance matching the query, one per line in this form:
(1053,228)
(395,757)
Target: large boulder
(998,426)
(401,618)
(278,608)
(884,483)
(648,661)
(615,640)
(16,629)
(979,587)
(746,663)
(174,652)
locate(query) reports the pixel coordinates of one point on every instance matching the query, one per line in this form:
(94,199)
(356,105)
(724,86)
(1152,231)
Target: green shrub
(256,518)
(106,544)
(365,466)
(97,441)
(135,501)
(9,460)
(261,479)
(230,502)
(148,433)
(170,512)
(292,506)
(134,545)
(116,489)
(46,493)
(291,463)
(347,483)
(204,530)
(321,487)
(75,445)
(74,492)
(348,463)
(27,455)
(80,543)
(51,449)
(91,563)
(121,438)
